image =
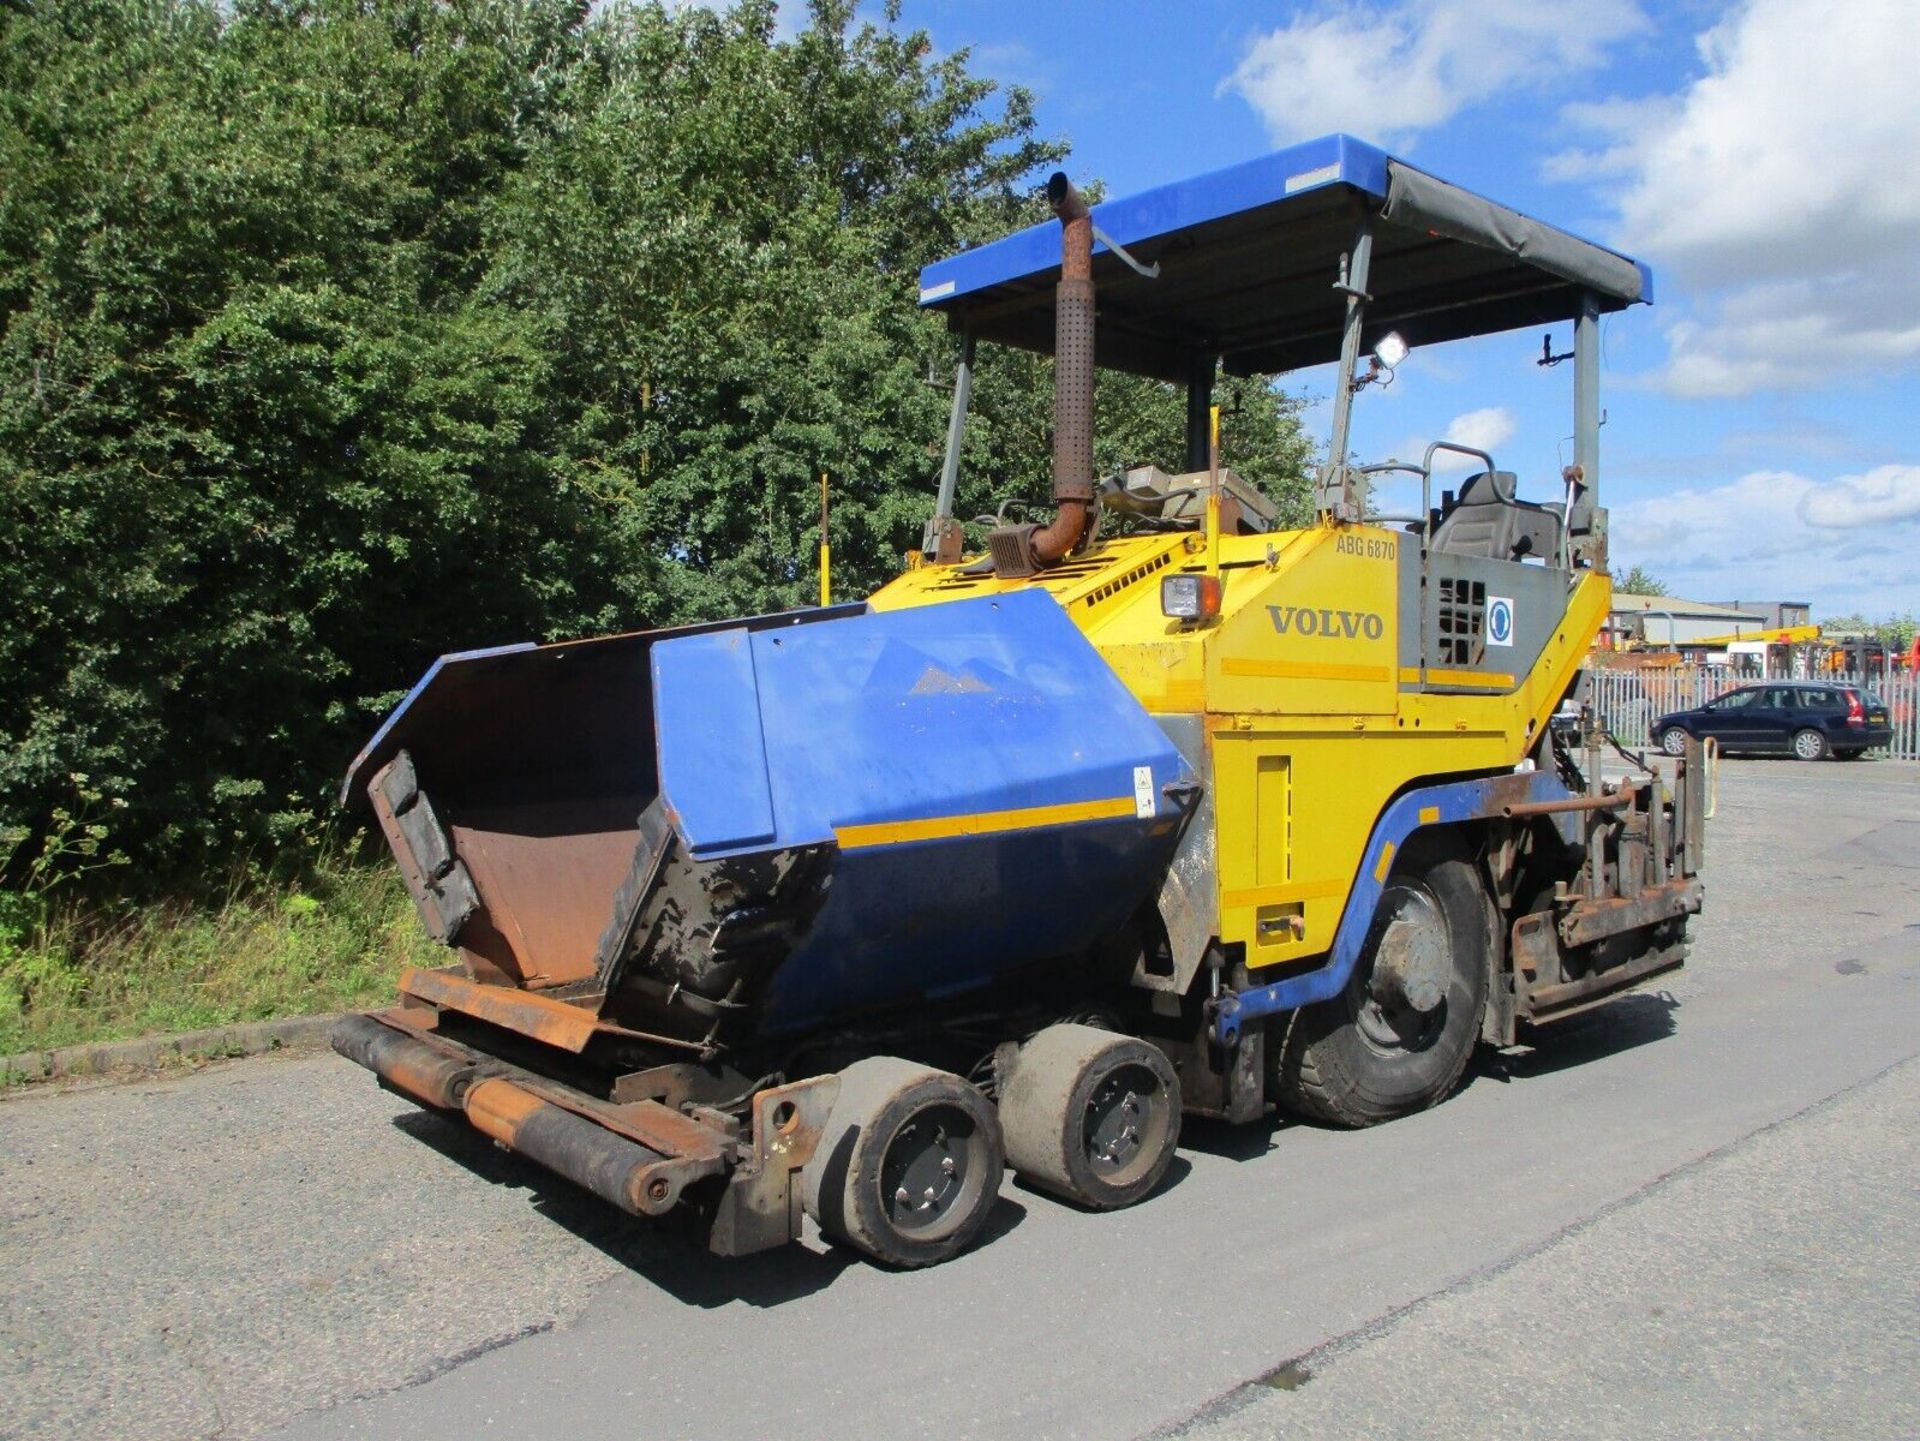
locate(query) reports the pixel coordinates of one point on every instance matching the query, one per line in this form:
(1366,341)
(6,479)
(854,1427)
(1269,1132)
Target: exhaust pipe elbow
(1067,202)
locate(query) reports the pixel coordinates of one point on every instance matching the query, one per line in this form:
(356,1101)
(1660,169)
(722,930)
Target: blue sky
(1759,156)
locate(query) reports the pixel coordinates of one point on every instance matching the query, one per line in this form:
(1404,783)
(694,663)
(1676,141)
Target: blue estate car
(1808,719)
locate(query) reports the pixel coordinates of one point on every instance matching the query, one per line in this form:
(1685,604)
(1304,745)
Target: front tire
(1400,1036)
(908,1164)
(1809,745)
(1673,741)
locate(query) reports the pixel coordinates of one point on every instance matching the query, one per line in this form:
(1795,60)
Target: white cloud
(1394,71)
(1846,543)
(1774,189)
(1890,493)
(1486,430)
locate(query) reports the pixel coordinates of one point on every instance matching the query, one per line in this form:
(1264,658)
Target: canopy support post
(1338,496)
(1200,364)
(943,540)
(1586,524)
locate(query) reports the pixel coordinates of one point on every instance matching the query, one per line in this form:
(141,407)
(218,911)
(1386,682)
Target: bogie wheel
(1673,741)
(1091,1115)
(1400,1036)
(908,1164)
(1809,745)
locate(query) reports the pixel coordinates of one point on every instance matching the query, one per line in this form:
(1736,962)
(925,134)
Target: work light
(1190,597)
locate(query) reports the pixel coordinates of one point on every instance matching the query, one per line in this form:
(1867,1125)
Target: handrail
(1426,480)
(1457,449)
(1425,471)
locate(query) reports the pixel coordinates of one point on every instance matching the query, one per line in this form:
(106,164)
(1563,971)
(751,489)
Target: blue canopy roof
(1248,256)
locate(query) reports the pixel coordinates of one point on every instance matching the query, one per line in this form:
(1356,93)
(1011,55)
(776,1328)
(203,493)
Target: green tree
(251,411)
(338,333)
(1637,582)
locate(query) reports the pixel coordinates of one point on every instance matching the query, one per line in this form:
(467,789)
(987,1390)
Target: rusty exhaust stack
(1027,549)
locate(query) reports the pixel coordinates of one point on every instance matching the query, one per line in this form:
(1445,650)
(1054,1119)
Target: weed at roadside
(86,971)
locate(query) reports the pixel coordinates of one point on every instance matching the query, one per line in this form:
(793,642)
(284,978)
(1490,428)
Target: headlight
(1190,597)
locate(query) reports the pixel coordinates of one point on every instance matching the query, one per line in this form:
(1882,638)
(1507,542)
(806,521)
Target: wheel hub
(1412,967)
(1119,1113)
(924,1171)
(1413,961)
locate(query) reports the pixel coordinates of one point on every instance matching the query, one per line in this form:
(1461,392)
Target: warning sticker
(1143,792)
(1499,620)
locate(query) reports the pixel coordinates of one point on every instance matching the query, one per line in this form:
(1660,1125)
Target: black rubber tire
(884,1100)
(1090,1115)
(1810,745)
(1328,1068)
(1673,741)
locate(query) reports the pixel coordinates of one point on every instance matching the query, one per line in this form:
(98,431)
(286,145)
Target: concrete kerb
(150,1053)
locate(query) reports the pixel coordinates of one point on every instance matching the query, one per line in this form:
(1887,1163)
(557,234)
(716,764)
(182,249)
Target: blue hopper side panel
(996,794)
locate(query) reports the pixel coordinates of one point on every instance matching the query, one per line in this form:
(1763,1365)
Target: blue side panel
(713,764)
(984,705)
(975,720)
(1460,801)
(942,918)
(1313,165)
(947,710)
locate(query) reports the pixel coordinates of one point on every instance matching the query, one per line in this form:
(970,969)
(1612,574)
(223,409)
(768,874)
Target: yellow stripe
(1303,670)
(1429,814)
(980,823)
(1386,862)
(1180,695)
(1275,895)
(1478,680)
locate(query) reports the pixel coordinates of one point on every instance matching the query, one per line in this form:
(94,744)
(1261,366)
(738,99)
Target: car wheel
(1809,745)
(1673,741)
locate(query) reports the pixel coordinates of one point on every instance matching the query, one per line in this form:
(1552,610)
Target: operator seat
(1488,521)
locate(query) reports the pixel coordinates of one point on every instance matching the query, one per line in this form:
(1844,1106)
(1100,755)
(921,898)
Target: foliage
(1637,582)
(1136,422)
(250,412)
(94,971)
(338,333)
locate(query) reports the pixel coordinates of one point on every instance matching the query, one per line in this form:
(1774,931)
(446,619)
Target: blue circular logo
(1500,621)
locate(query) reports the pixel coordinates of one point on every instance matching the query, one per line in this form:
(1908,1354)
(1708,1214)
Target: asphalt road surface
(1694,1212)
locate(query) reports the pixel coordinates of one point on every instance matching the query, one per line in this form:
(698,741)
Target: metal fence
(1629,700)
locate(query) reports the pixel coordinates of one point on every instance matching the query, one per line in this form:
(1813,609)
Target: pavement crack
(1295,1372)
(436,1369)
(432,1371)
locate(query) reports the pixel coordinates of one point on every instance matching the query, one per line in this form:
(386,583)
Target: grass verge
(84,973)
